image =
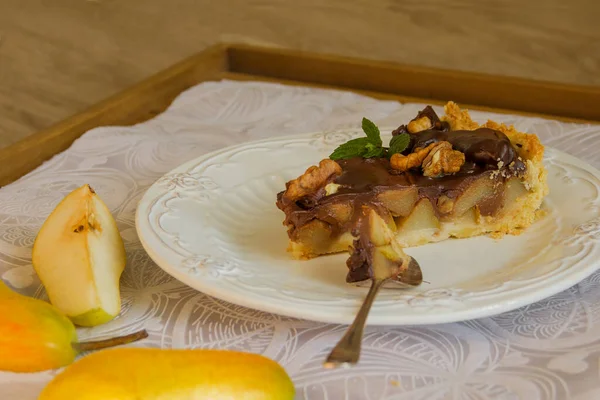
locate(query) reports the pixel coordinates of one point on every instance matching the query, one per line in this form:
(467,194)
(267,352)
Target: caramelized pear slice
(387,256)
(419,226)
(399,202)
(513,190)
(380,231)
(340,212)
(376,254)
(466,225)
(315,235)
(477,192)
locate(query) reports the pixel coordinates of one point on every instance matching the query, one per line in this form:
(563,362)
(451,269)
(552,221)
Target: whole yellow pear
(35,336)
(160,374)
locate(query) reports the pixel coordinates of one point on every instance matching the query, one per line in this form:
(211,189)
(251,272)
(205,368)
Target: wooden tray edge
(511,94)
(401,98)
(377,79)
(133,105)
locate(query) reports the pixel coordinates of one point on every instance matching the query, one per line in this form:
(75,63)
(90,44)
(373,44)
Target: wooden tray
(382,80)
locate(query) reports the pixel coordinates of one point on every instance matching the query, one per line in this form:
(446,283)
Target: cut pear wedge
(79,256)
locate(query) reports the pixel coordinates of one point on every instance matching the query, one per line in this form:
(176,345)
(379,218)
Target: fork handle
(347,351)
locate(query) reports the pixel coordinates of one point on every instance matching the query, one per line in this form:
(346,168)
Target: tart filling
(454,178)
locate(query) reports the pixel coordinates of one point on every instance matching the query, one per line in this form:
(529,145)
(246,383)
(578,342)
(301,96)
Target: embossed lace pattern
(549,349)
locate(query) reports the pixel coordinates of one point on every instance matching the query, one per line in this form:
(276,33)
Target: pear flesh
(79,256)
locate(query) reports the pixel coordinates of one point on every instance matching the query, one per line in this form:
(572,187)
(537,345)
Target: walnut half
(442,160)
(420,124)
(402,163)
(313,179)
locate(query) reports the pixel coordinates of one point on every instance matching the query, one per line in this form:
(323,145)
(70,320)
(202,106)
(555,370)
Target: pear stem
(116,341)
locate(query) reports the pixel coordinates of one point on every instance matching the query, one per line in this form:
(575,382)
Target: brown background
(58,57)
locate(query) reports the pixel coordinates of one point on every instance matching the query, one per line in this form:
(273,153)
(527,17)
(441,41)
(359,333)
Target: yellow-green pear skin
(79,256)
(92,318)
(34,335)
(161,374)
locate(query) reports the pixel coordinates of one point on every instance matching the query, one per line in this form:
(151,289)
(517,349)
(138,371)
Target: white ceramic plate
(212,223)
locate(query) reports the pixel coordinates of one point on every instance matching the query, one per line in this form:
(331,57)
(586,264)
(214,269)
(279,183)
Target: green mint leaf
(399,143)
(367,147)
(373,151)
(372,132)
(352,148)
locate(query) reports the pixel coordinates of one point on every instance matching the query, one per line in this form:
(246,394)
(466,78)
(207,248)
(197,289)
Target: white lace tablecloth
(548,350)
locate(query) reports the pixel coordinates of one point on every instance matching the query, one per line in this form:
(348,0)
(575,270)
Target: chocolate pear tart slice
(439,178)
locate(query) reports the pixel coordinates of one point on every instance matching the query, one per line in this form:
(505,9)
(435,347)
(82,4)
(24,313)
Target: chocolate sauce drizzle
(487,152)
